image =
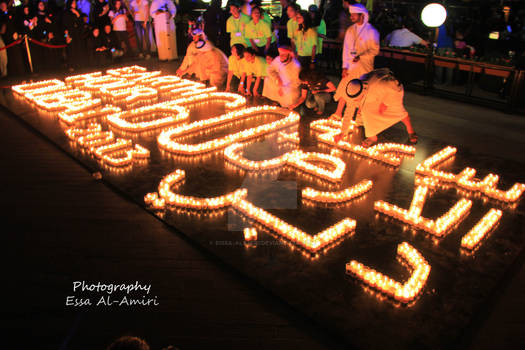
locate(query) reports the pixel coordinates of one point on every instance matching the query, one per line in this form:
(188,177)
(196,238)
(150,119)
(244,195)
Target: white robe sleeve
(347,57)
(371,48)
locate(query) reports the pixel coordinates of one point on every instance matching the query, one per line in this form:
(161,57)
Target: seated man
(282,84)
(403,37)
(204,60)
(378,98)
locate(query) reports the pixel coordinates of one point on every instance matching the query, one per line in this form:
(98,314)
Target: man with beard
(206,61)
(360,47)
(282,84)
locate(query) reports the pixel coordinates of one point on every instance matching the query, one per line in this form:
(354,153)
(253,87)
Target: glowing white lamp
(433,15)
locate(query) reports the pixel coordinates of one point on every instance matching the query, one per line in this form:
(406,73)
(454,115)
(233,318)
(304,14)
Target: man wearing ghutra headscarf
(163,13)
(378,98)
(204,60)
(361,45)
(282,84)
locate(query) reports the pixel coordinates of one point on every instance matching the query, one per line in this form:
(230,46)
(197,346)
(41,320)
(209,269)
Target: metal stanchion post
(28,53)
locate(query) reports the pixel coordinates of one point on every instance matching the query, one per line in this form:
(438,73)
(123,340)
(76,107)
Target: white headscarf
(359,8)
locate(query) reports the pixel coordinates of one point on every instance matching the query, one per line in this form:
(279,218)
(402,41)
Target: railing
(494,85)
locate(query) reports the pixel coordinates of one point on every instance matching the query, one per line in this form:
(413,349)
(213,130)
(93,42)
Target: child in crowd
(254,67)
(236,67)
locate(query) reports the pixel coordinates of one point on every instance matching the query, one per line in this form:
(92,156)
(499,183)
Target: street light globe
(433,15)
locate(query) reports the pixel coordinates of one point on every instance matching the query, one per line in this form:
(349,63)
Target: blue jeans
(142,36)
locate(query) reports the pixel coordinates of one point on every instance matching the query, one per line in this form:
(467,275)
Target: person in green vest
(259,33)
(255,67)
(320,26)
(306,40)
(236,67)
(292,25)
(236,25)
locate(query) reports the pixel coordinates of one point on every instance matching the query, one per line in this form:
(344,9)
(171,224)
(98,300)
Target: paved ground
(49,201)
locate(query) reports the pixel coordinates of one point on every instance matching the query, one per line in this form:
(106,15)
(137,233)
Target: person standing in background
(344,20)
(140,9)
(292,25)
(246,8)
(236,25)
(99,14)
(214,22)
(163,13)
(73,25)
(282,36)
(360,47)
(320,26)
(4,17)
(259,33)
(306,40)
(119,19)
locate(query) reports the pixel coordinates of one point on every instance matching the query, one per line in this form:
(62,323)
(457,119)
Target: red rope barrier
(46,45)
(11,45)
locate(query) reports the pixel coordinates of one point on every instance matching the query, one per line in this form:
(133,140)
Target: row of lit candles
(297,158)
(403,293)
(166,115)
(188,202)
(335,197)
(466,180)
(388,153)
(166,138)
(481,229)
(438,227)
(292,233)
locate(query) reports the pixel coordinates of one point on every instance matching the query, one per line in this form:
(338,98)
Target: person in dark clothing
(214,22)
(319,89)
(281,24)
(16,64)
(99,53)
(100,14)
(111,42)
(73,29)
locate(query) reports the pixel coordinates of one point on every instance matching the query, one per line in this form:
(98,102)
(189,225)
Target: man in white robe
(282,83)
(360,47)
(163,14)
(379,102)
(204,60)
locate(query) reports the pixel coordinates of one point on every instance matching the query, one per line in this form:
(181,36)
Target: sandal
(412,139)
(368,142)
(335,117)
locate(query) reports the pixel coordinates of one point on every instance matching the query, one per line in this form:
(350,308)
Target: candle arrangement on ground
(204,160)
(403,293)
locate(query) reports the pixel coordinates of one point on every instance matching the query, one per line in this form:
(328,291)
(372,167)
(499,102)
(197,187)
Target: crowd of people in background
(143,28)
(244,48)
(83,33)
